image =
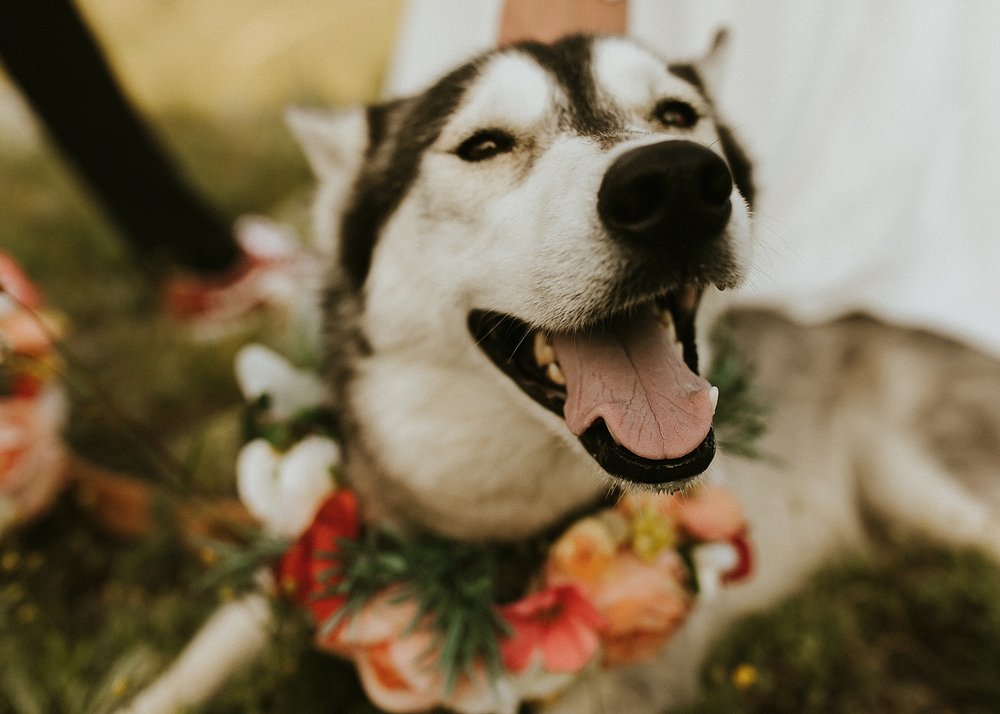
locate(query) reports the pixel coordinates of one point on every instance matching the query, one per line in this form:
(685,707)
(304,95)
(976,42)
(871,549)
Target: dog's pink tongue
(629,373)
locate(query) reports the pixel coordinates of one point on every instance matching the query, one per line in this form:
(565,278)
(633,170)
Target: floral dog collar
(432,622)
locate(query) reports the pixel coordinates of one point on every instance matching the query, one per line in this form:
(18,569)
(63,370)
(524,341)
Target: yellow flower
(652,532)
(745,676)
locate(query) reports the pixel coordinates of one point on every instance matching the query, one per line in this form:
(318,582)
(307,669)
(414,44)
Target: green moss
(916,629)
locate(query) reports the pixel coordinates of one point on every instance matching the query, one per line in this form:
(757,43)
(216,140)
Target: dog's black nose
(671,194)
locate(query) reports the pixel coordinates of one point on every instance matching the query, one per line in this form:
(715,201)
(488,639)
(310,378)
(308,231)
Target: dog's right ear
(333,141)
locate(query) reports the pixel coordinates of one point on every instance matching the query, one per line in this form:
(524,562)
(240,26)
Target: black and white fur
(437,438)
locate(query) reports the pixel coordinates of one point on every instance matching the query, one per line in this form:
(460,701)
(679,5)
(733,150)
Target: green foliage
(741,418)
(454,585)
(83,618)
(282,434)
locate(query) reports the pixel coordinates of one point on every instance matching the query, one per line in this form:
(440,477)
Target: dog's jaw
(451,449)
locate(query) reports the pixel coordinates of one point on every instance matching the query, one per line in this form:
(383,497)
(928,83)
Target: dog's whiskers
(489,332)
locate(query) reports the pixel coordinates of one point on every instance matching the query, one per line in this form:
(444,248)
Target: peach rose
(584,551)
(711,513)
(642,601)
(398,663)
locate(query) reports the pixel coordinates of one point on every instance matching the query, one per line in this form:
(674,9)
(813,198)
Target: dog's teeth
(555,374)
(544,354)
(713,396)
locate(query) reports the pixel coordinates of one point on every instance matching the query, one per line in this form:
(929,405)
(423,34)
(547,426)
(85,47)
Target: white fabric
(875,129)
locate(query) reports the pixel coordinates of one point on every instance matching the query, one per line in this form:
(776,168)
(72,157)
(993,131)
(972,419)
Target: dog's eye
(675,114)
(485,144)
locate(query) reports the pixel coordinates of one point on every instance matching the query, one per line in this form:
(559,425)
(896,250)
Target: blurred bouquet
(32,401)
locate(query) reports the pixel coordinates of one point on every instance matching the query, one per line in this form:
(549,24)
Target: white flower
(284,491)
(260,371)
(711,561)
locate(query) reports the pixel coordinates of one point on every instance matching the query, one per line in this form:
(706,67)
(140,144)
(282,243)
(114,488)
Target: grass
(913,629)
(85,618)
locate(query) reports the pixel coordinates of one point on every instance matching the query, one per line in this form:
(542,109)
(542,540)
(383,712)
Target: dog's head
(521,250)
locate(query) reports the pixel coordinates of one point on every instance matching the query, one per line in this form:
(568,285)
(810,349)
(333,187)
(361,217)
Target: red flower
(559,623)
(744,563)
(300,570)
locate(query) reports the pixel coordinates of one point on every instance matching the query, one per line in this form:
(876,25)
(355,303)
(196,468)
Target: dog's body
(483,231)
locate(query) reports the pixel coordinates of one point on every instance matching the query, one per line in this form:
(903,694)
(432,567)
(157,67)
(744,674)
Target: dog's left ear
(333,141)
(712,66)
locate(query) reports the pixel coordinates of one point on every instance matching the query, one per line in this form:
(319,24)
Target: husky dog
(520,262)
(526,257)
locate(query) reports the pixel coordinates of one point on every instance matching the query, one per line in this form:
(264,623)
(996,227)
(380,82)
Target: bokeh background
(87,617)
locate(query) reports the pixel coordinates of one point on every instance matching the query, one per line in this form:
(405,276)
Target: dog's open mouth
(628,387)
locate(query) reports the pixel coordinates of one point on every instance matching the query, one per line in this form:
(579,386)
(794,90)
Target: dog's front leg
(905,483)
(236,634)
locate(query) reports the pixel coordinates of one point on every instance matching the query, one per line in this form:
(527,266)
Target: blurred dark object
(49,51)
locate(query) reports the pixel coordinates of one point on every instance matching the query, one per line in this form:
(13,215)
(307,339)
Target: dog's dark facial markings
(739,164)
(378,190)
(688,73)
(737,159)
(569,61)
(390,167)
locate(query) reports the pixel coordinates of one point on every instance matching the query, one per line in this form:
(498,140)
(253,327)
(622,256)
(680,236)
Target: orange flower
(705,512)
(584,551)
(399,674)
(643,603)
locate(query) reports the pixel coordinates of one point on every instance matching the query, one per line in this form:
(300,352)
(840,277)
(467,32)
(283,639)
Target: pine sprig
(282,434)
(235,565)
(741,418)
(453,584)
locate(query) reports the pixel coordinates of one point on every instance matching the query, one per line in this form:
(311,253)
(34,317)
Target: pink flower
(32,455)
(21,328)
(559,622)
(643,602)
(16,283)
(706,512)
